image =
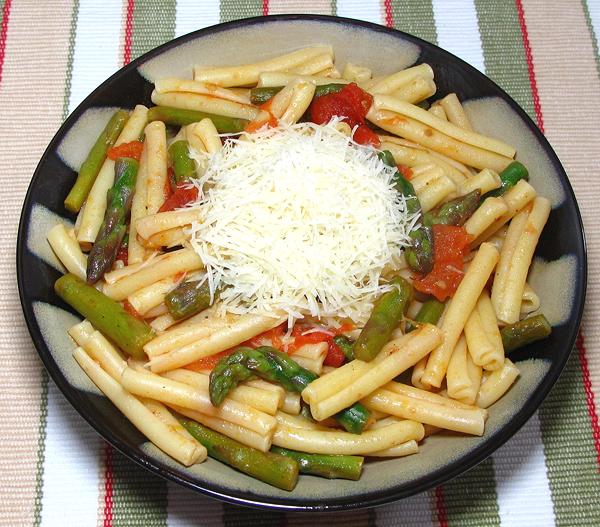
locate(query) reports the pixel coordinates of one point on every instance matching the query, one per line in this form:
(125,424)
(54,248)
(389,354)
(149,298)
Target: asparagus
(346,345)
(106,315)
(386,315)
(94,160)
(270,364)
(525,332)
(262,95)
(327,466)
(430,313)
(187,299)
(272,468)
(180,117)
(112,230)
(419,256)
(455,212)
(184,167)
(510,176)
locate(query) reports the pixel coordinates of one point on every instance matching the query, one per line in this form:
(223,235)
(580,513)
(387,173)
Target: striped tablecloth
(54,470)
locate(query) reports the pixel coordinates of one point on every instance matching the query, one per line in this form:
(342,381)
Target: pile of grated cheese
(300,219)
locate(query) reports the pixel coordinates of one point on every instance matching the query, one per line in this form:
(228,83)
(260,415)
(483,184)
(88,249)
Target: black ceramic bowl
(558,275)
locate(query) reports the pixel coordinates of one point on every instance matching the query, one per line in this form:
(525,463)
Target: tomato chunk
(208,363)
(184,194)
(450,246)
(132,149)
(335,356)
(352,105)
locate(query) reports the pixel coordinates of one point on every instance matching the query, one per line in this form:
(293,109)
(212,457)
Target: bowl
(558,273)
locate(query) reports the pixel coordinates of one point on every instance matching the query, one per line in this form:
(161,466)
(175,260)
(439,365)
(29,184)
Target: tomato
(123,253)
(133,150)
(208,363)
(272,337)
(352,104)
(450,246)
(405,171)
(131,310)
(184,194)
(335,356)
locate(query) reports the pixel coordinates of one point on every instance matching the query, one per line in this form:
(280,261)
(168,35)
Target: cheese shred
(299,219)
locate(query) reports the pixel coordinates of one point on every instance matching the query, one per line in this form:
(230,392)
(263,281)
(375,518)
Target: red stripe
(389,16)
(440,507)
(265,7)
(128,31)
(580,343)
(589,394)
(108,486)
(534,91)
(3,32)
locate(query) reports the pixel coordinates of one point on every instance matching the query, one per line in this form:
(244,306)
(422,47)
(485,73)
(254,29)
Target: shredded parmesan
(298,218)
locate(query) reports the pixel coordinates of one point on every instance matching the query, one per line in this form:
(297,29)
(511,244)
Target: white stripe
(415,511)
(187,508)
(594,11)
(72,450)
(193,15)
(524,498)
(368,10)
(458,31)
(71,466)
(96,55)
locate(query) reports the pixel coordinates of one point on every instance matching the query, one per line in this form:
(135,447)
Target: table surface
(54,469)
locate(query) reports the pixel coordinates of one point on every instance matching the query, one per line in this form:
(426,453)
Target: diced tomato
(133,150)
(274,336)
(335,356)
(208,363)
(271,121)
(363,135)
(184,194)
(451,245)
(131,310)
(350,103)
(123,253)
(405,171)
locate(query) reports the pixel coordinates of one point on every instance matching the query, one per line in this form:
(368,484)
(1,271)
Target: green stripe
(153,25)
(588,20)
(139,498)
(569,448)
(234,9)
(503,50)
(41,453)
(415,17)
(565,424)
(471,500)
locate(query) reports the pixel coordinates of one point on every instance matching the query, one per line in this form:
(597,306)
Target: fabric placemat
(55,470)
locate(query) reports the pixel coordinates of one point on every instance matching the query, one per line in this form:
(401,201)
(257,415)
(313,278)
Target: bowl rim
(237,497)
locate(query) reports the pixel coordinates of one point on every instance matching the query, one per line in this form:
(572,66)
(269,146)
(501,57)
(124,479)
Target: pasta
(247,279)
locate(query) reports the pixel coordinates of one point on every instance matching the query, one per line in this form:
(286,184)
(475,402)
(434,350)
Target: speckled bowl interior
(558,274)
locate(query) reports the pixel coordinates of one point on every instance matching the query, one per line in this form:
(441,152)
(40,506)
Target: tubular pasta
(496,384)
(67,250)
(463,377)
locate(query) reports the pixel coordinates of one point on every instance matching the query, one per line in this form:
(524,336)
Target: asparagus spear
(419,255)
(184,167)
(187,299)
(272,468)
(455,212)
(106,315)
(94,160)
(430,313)
(525,332)
(386,315)
(262,95)
(327,466)
(510,176)
(346,345)
(273,365)
(180,117)
(112,230)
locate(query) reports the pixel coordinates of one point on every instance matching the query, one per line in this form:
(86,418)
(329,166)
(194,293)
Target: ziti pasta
(256,262)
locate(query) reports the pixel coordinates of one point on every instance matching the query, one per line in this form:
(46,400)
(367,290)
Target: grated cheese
(301,219)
